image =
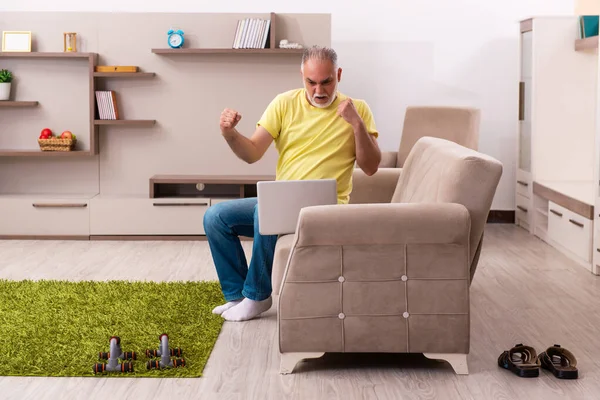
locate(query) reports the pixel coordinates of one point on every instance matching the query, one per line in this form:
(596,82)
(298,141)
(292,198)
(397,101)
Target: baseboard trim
(501,217)
(155,237)
(44,237)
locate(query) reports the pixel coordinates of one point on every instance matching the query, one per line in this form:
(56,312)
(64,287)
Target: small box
(116,68)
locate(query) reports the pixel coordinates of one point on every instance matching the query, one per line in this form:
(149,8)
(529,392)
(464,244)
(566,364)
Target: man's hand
(229,120)
(347,111)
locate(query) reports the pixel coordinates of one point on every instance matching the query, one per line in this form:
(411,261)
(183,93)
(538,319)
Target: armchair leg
(457,361)
(289,360)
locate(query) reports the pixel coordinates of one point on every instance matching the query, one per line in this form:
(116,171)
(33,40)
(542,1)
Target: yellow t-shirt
(314,143)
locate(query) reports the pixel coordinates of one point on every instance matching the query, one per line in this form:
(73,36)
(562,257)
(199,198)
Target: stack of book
(106,102)
(252,33)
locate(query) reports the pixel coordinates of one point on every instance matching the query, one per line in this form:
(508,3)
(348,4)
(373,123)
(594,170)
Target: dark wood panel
(125,122)
(39,153)
(132,75)
(155,237)
(35,54)
(5,103)
(228,51)
(501,217)
(577,206)
(44,237)
(527,25)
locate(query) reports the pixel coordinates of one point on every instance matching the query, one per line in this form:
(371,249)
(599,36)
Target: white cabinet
(45,215)
(557,142)
(121,215)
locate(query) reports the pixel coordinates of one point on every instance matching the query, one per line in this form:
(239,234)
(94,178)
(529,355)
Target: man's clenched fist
(229,119)
(347,111)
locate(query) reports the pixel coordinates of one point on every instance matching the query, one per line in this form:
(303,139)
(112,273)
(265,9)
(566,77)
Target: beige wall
(587,7)
(185,98)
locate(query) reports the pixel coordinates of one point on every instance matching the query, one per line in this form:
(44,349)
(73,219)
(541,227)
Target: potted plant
(5,83)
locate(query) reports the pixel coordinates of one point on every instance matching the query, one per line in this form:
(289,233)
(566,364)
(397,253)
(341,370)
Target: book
(252,33)
(106,102)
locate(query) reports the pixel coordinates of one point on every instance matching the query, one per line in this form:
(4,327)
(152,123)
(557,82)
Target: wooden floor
(524,291)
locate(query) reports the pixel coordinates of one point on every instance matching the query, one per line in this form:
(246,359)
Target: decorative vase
(5,90)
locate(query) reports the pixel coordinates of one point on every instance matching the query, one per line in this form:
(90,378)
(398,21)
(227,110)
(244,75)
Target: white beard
(324,105)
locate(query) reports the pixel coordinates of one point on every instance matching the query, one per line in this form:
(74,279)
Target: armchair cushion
(377,188)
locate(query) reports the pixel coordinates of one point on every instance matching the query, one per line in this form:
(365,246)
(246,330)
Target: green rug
(58,328)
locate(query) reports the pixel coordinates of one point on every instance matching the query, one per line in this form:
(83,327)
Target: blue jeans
(223,223)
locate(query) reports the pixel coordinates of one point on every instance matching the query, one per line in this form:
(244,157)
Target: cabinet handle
(522,208)
(555,212)
(523,183)
(179,204)
(579,224)
(521,101)
(64,205)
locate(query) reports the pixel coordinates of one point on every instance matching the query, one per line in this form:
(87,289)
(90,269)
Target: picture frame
(16,41)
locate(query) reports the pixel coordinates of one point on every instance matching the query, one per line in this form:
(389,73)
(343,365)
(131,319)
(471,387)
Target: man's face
(321,81)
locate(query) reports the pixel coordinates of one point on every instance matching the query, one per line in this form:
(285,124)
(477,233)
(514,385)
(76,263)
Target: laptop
(280,202)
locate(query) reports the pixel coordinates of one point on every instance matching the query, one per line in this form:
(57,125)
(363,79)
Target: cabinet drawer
(145,216)
(523,212)
(523,188)
(40,216)
(570,230)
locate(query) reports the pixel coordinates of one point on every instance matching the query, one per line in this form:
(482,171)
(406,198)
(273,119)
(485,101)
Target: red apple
(66,135)
(46,132)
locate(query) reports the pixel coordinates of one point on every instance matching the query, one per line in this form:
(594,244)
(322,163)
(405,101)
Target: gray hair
(319,53)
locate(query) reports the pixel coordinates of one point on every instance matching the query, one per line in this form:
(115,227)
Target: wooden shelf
(39,153)
(217,186)
(227,51)
(35,54)
(587,43)
(125,122)
(18,103)
(133,75)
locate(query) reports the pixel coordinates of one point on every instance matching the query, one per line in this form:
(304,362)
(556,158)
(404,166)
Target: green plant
(5,76)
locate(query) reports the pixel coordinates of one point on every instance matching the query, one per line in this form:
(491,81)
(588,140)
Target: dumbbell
(113,357)
(165,353)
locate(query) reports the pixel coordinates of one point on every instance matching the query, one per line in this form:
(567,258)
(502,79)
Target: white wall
(397,53)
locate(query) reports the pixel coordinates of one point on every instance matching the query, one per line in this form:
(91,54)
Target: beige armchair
(389,277)
(456,124)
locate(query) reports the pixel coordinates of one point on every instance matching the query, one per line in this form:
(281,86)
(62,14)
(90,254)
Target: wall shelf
(39,153)
(35,54)
(18,103)
(227,51)
(125,122)
(134,75)
(586,44)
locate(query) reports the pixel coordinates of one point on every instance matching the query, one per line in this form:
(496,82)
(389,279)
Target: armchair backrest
(457,124)
(441,171)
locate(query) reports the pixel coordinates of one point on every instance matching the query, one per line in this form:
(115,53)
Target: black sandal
(521,360)
(561,362)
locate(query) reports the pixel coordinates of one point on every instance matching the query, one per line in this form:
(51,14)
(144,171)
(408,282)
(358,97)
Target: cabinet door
(524,156)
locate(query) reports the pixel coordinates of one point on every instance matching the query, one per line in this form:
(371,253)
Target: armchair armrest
(393,223)
(377,188)
(389,159)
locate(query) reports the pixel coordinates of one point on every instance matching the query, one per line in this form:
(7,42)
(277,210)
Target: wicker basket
(57,144)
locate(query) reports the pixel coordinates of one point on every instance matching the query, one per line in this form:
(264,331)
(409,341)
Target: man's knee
(212,220)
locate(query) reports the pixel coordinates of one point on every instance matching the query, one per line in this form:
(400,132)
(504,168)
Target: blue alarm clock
(175,38)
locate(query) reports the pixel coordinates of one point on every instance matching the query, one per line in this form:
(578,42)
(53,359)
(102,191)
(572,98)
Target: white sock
(221,309)
(247,309)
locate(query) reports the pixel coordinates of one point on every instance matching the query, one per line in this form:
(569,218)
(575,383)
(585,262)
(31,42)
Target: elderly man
(319,134)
